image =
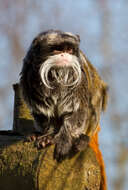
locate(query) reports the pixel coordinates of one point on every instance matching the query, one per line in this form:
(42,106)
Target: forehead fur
(57,37)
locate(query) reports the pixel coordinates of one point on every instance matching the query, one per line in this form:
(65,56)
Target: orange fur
(95,146)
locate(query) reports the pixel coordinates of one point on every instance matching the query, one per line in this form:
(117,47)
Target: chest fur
(61,101)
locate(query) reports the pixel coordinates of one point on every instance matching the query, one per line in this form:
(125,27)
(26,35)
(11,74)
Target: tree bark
(23,167)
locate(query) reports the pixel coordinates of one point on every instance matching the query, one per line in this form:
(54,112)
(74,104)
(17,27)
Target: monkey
(63,90)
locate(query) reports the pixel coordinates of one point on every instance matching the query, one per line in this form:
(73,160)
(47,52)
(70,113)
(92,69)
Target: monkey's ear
(78,37)
(105,97)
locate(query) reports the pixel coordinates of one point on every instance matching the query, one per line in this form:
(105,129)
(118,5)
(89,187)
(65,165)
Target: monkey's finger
(31,138)
(40,144)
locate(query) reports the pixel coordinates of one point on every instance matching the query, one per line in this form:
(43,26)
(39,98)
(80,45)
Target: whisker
(62,74)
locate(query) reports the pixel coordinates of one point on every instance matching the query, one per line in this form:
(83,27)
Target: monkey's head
(54,55)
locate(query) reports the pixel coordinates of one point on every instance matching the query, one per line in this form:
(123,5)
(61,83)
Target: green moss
(37,169)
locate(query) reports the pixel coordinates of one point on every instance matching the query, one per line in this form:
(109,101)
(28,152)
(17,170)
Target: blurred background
(103,28)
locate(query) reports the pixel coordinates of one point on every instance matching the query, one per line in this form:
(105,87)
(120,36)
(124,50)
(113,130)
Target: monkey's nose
(62,55)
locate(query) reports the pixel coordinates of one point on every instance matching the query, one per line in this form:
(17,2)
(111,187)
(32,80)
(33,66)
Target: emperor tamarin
(63,90)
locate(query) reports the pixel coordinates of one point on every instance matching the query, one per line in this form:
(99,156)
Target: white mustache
(51,62)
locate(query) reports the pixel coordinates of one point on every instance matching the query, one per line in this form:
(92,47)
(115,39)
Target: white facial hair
(51,62)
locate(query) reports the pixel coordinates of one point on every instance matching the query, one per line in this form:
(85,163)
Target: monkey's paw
(43,141)
(62,148)
(81,143)
(33,137)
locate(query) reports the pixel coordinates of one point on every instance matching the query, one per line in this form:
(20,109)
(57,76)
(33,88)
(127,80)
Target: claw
(43,141)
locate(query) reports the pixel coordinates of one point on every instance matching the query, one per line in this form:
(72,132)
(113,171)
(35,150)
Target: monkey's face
(61,68)
(58,55)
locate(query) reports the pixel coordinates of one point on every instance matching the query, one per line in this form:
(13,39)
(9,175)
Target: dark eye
(57,48)
(70,49)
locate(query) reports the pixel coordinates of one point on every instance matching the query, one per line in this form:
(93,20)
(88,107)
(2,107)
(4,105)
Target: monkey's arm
(71,138)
